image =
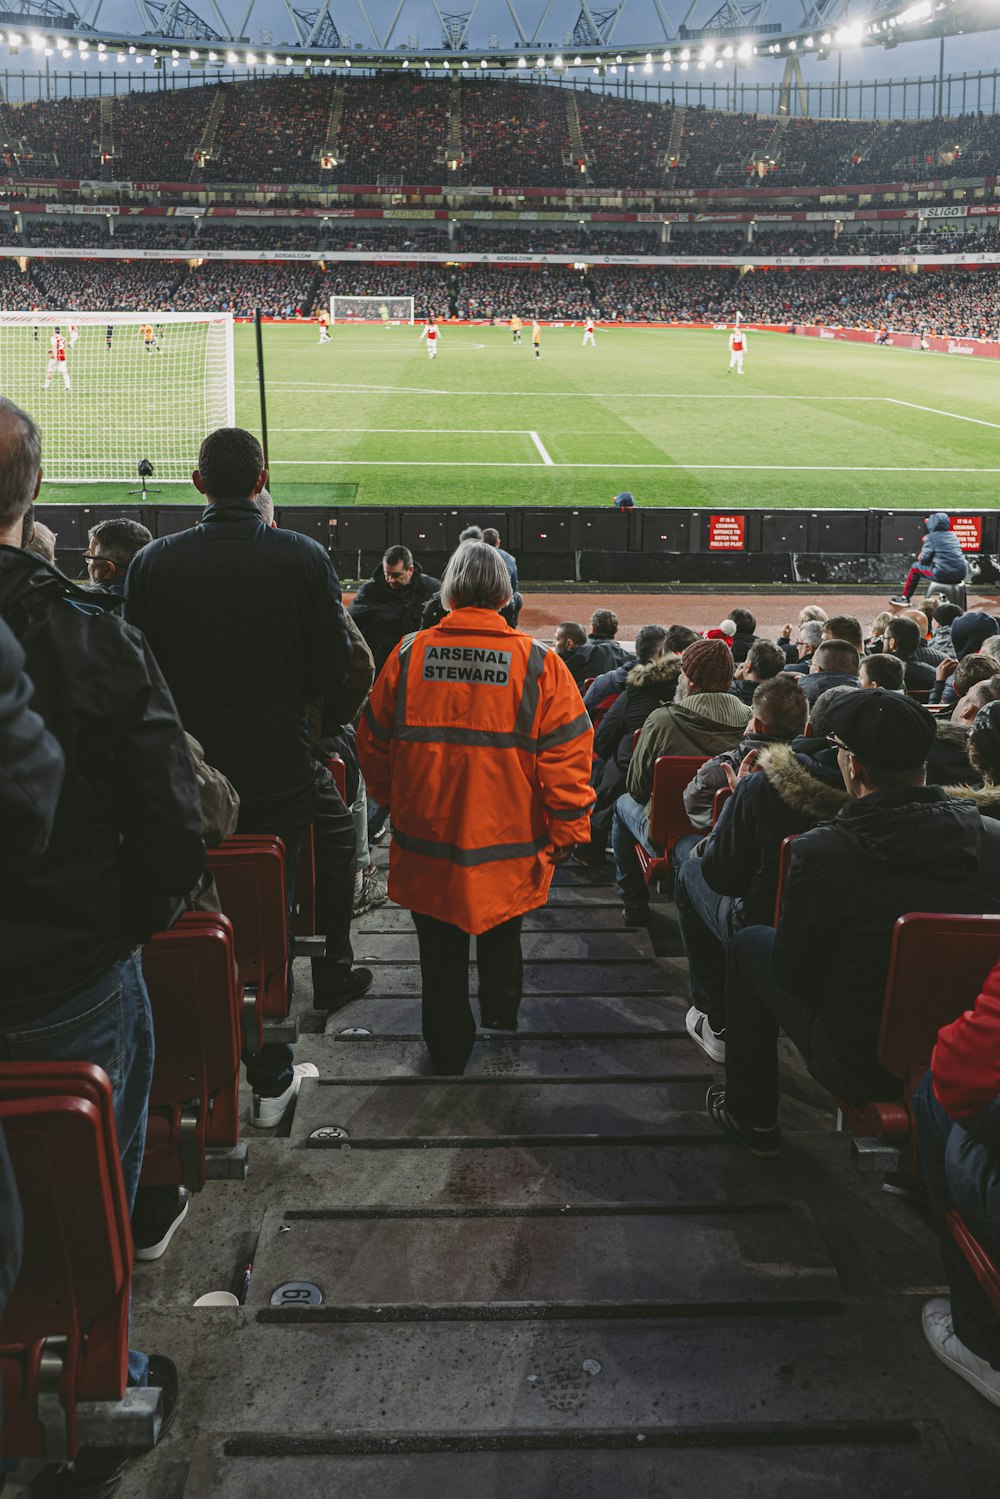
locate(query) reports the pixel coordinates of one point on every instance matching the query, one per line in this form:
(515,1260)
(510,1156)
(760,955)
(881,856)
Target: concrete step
(644,976)
(498,1058)
(540,1016)
(410,1112)
(595,918)
(485,1262)
(536,947)
(880,1460)
(595,877)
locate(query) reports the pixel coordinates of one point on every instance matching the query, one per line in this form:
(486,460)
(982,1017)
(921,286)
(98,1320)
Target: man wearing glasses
(897,845)
(391,604)
(113,544)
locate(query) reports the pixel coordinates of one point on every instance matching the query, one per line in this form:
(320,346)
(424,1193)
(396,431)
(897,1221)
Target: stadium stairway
(550,1277)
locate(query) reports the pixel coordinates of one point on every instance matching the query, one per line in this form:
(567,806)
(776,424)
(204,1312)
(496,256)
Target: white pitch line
(541,448)
(767,468)
(568,395)
(429,431)
(934,411)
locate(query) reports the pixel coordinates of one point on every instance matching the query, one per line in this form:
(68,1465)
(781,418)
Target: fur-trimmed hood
(986,798)
(797,780)
(663,672)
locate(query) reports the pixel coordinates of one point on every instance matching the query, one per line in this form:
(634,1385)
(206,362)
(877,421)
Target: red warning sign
(969,530)
(726,533)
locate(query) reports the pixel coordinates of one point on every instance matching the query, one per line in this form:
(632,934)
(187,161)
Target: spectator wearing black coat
(903,639)
(834,664)
(586,658)
(897,845)
(391,604)
(731,879)
(779,716)
(745,638)
(247,624)
(810,635)
(126,842)
(603,630)
(763,661)
(650,643)
(32,761)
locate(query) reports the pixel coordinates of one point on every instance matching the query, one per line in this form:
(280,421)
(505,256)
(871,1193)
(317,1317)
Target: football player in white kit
(432,333)
(588,333)
(57,360)
(737,348)
(74,334)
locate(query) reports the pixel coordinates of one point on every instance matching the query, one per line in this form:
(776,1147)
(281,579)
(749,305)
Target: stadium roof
(546,37)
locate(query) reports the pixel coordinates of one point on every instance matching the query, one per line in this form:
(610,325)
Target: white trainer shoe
(265,1113)
(712,1043)
(941,1335)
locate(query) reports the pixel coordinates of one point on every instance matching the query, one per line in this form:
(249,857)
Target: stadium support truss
(140,385)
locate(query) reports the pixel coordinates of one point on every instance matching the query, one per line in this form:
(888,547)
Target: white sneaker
(712,1043)
(941,1335)
(265,1113)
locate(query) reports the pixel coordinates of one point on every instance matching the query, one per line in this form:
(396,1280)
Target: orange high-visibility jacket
(475,738)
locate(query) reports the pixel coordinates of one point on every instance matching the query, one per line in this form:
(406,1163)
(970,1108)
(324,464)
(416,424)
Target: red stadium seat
(335,765)
(249,873)
(597,713)
(190,973)
(936,970)
(986,1271)
(784,864)
(63,1337)
(588,683)
(719,800)
(668,821)
(304,893)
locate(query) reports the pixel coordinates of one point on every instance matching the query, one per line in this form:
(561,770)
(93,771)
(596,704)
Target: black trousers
(449,1027)
(336,865)
(269,1070)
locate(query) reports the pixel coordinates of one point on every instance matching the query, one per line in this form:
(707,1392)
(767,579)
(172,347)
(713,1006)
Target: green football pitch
(368,419)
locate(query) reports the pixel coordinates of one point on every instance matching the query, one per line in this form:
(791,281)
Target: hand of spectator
(748,766)
(740,673)
(945,668)
(560,853)
(786,633)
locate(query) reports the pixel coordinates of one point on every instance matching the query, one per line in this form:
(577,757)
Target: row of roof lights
(846,36)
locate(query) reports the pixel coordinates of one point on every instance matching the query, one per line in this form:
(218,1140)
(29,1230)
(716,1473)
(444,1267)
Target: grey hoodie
(705,723)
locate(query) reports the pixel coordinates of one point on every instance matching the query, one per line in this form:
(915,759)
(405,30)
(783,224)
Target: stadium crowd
(275,124)
(106,285)
(816,734)
(280,291)
(392,127)
(90,234)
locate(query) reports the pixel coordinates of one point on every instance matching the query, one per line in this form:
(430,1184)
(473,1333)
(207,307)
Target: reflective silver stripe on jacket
(468,858)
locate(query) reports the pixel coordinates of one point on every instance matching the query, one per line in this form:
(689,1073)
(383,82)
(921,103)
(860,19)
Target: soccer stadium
(499,749)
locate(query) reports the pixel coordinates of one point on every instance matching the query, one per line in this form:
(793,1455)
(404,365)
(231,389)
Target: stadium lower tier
(957,302)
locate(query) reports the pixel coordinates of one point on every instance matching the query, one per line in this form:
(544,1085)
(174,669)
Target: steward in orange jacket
(475,738)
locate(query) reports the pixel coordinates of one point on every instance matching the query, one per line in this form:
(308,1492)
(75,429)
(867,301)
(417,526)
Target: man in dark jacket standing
(897,845)
(126,842)
(247,624)
(391,604)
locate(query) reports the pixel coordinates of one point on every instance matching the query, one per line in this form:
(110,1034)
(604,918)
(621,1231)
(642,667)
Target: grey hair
(20,460)
(265,505)
(819,713)
(812,612)
(471,533)
(991,647)
(476,577)
(811,633)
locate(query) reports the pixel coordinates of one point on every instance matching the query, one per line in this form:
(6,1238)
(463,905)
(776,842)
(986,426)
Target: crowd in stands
(622,140)
(555,239)
(271,128)
(512,134)
(371,236)
(280,290)
(515,135)
(150,234)
(90,233)
(104,285)
(394,127)
(219,234)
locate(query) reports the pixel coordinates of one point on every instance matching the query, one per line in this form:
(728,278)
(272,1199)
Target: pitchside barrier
(840,547)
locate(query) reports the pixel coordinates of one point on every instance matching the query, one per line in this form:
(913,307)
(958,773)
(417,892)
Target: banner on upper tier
(452,257)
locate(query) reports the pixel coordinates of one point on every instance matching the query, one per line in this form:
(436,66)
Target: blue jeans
(629,824)
(706,923)
(961,1173)
(109,1024)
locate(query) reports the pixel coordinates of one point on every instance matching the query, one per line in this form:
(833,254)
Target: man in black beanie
(897,845)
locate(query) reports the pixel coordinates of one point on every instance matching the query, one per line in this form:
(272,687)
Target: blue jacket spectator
(941,551)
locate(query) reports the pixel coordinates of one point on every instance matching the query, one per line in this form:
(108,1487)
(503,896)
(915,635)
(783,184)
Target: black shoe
(635,915)
(97,1473)
(357,982)
(763,1142)
(151,1234)
(589,853)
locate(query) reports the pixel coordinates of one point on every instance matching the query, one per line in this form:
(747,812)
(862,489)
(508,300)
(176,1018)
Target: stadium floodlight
(727,52)
(464,63)
(483,63)
(666,67)
(686,54)
(849,36)
(540,63)
(232,58)
(826,39)
(578,62)
(647,67)
(251,59)
(213,57)
(618,57)
(288,62)
(666,57)
(37,41)
(192,55)
(522,62)
(557,62)
(269,59)
(129,397)
(120,57)
(61,45)
(406,63)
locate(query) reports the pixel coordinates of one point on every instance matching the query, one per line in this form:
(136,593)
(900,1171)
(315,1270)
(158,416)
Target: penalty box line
(625,467)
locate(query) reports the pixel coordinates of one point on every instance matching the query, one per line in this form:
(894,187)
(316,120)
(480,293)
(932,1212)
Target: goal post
(136,385)
(371,310)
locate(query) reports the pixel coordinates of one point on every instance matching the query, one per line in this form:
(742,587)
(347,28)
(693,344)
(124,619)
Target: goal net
(371,310)
(132,386)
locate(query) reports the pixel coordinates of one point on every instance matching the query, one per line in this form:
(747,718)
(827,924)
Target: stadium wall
(981,348)
(656,546)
